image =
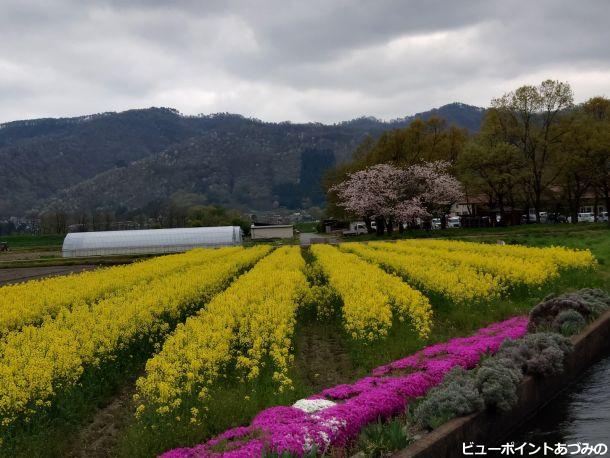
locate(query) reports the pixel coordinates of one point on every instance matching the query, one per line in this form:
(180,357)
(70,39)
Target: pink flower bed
(382,395)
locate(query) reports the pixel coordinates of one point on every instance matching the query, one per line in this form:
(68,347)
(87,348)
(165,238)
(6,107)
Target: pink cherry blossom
(389,192)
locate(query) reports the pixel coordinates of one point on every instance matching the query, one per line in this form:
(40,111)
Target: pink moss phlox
(383,395)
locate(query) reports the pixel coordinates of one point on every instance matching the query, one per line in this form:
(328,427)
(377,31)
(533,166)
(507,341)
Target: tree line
(171,215)
(535,149)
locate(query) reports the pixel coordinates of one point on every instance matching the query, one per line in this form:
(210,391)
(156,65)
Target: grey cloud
(301,60)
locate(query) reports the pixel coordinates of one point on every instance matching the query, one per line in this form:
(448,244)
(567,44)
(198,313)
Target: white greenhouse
(81,244)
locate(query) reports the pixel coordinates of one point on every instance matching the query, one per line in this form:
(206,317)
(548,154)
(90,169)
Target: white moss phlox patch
(313,405)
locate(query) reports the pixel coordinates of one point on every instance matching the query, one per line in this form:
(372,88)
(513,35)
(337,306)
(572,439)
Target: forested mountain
(138,158)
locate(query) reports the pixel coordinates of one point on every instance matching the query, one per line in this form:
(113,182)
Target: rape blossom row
(39,363)
(466,272)
(250,322)
(30,302)
(457,282)
(371,297)
(510,271)
(335,416)
(562,257)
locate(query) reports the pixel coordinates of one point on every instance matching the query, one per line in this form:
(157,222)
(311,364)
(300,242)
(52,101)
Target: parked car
(454,222)
(586,217)
(436,223)
(602,217)
(355,229)
(544,217)
(524,219)
(557,218)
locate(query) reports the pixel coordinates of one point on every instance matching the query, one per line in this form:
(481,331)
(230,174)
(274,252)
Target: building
(278,231)
(590,204)
(151,241)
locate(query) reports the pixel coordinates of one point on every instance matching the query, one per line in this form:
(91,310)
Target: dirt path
(20,274)
(322,360)
(308,238)
(99,437)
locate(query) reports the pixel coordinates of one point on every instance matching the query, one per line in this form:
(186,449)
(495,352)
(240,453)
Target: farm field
(24,242)
(196,343)
(44,252)
(21,274)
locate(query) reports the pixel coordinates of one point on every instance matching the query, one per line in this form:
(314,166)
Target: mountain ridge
(81,163)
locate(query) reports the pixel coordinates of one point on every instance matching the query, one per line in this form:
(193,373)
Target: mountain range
(136,159)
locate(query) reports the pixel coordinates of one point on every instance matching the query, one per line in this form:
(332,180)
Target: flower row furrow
(31,302)
(459,283)
(370,295)
(510,271)
(250,322)
(561,257)
(39,363)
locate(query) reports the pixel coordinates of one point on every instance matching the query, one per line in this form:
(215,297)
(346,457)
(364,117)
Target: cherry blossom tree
(392,195)
(371,193)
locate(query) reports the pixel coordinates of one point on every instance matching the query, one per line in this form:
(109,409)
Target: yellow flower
(370,295)
(36,363)
(256,315)
(471,272)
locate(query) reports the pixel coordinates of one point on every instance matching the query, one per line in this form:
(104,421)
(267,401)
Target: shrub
(313,453)
(380,439)
(569,322)
(588,302)
(497,380)
(541,353)
(597,299)
(456,396)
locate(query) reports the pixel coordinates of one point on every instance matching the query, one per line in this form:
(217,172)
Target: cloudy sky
(305,60)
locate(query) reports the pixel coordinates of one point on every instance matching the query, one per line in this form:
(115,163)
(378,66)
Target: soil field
(20,274)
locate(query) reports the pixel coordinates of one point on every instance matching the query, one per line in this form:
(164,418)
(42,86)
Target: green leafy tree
(577,162)
(215,215)
(532,119)
(597,110)
(495,169)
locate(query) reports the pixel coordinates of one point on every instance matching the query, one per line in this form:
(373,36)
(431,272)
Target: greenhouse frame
(151,241)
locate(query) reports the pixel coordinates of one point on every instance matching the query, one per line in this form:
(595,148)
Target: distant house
(277,231)
(588,203)
(471,206)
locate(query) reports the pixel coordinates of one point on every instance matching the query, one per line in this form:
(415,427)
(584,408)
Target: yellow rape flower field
(235,324)
(370,295)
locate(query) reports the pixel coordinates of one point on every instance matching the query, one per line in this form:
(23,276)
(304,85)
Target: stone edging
(489,427)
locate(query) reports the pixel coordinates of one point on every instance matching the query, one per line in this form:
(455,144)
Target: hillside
(136,158)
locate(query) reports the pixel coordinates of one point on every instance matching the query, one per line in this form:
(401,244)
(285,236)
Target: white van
(454,221)
(586,217)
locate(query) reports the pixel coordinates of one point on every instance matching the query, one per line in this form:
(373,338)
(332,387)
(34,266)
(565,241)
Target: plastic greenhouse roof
(152,238)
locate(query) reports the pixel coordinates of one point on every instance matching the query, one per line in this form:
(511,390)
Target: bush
(383,439)
(597,299)
(569,322)
(313,453)
(456,396)
(588,302)
(497,381)
(541,353)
